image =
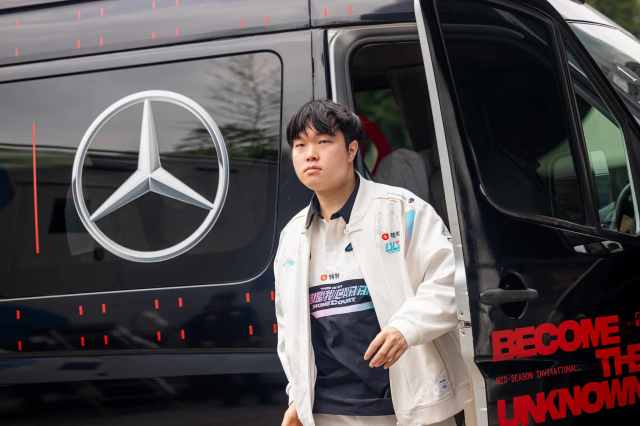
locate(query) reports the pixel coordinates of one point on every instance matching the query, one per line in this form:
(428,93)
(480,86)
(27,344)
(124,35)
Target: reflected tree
(245,94)
(624,12)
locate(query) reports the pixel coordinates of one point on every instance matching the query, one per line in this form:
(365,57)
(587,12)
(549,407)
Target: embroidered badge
(348,248)
(325,277)
(392,241)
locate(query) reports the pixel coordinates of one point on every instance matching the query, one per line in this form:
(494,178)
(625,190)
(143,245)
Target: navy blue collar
(344,212)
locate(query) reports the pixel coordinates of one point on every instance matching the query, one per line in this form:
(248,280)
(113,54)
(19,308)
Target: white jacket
(411,289)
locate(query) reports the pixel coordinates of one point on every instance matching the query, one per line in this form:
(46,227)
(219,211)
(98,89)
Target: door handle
(500,296)
(599,248)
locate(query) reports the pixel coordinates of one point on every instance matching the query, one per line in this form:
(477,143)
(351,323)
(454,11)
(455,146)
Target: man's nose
(312,152)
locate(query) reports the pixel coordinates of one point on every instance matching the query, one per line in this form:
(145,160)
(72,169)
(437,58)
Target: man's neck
(332,201)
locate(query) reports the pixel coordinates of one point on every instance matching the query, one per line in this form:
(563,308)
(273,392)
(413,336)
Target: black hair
(326,117)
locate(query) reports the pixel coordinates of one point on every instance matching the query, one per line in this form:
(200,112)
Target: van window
(45,249)
(617,53)
(515,116)
(391,99)
(607,153)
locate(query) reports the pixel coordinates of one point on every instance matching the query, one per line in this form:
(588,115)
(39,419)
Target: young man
(364,292)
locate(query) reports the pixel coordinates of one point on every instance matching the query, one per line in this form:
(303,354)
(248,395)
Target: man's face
(322,162)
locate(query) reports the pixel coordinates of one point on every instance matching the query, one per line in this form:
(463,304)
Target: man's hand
(291,417)
(386,348)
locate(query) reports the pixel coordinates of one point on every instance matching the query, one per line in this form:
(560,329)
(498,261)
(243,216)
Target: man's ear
(353,149)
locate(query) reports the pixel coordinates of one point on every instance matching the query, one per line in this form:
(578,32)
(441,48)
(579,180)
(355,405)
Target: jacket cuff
(407,330)
(289,393)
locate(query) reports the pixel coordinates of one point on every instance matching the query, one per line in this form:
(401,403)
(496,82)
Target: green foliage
(624,12)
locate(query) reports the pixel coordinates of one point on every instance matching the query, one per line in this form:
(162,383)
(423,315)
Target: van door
(539,158)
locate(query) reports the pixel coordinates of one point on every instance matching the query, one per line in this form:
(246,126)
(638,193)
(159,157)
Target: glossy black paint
(69,29)
(500,244)
(204,353)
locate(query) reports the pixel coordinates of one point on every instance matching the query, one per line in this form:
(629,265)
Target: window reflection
(243,95)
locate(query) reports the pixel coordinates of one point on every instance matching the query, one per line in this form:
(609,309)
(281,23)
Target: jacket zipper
(310,353)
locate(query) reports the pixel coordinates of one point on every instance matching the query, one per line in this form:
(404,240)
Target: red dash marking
(267,20)
(178,3)
(247,297)
(18,23)
(325,11)
(19,345)
(82,341)
(250,330)
(274,327)
(153,35)
(17,52)
(18,314)
(78,44)
(243,23)
(183,335)
(180,302)
(105,340)
(156,304)
(102,11)
(273,295)
(101,40)
(158,336)
(350,10)
(77,14)
(154,4)
(103,308)
(81,310)
(178,32)
(34,135)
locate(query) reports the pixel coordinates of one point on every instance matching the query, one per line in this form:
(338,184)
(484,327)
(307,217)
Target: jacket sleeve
(431,311)
(281,322)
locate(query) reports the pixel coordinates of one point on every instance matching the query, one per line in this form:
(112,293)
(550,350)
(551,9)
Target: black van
(144,178)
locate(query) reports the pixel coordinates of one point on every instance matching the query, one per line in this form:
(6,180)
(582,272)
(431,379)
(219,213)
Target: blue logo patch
(392,246)
(348,248)
(289,263)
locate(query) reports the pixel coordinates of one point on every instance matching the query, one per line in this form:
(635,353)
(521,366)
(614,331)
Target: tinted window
(516,117)
(46,250)
(618,55)
(607,152)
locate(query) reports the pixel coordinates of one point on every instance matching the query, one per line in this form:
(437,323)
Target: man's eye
(325,141)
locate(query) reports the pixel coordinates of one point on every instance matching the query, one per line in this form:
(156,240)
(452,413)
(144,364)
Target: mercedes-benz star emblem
(151,176)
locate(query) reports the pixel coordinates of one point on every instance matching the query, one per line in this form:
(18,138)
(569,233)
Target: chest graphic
(341,298)
(391,241)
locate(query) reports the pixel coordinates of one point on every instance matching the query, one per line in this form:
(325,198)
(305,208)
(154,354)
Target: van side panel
(85,28)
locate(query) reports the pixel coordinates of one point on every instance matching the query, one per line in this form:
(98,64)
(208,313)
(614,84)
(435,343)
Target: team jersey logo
(392,241)
(330,277)
(339,298)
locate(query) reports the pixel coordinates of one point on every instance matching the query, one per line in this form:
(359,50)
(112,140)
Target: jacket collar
(344,212)
(354,208)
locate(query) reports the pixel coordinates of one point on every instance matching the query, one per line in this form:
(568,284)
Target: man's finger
(393,358)
(373,346)
(391,355)
(381,355)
